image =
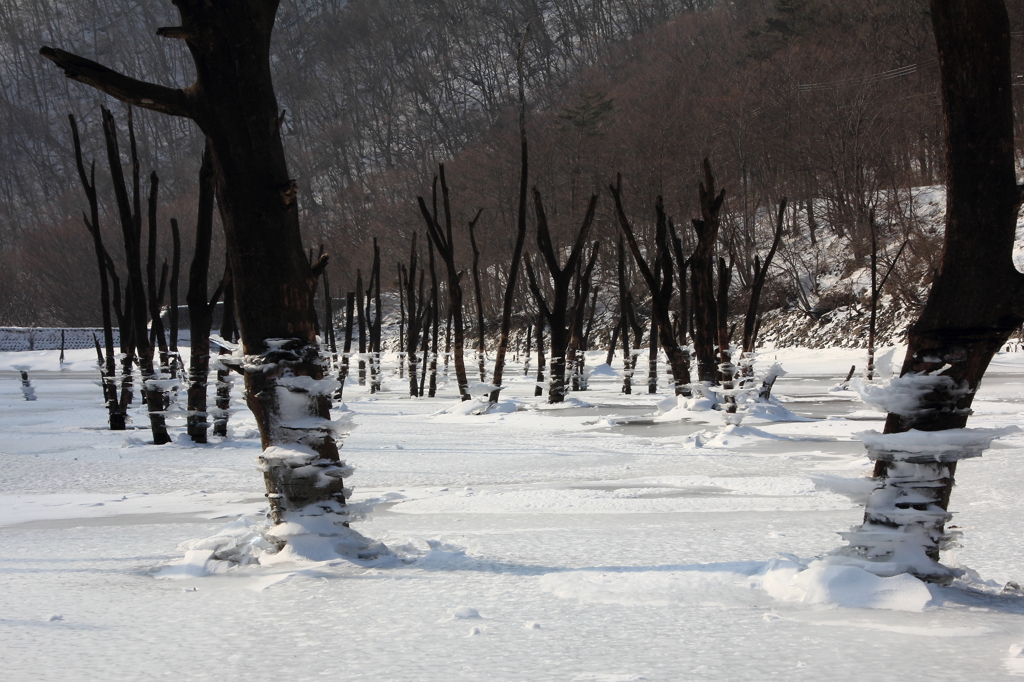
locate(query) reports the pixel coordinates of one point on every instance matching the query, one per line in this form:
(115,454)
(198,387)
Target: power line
(899,72)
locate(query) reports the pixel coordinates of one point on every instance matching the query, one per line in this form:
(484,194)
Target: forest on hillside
(832,104)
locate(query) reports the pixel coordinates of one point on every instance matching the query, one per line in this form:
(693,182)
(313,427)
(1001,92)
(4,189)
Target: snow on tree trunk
(973,307)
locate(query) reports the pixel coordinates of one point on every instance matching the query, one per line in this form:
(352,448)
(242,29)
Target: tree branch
(173,101)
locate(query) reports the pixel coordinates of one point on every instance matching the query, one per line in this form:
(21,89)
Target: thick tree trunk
(976,297)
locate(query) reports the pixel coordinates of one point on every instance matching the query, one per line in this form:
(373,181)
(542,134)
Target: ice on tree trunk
(904,519)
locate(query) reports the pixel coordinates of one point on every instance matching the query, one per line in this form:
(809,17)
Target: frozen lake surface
(594,542)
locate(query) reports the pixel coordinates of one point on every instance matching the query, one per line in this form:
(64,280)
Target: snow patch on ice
(819,582)
(464,613)
(830,581)
(480,406)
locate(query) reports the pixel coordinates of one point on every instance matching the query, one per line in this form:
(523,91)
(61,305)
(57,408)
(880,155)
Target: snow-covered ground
(596,541)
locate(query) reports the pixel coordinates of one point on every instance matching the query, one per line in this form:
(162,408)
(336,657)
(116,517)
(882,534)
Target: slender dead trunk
(116,417)
(658,277)
(130,213)
(200,310)
(434,321)
(760,276)
(401,324)
(375,325)
(557,314)
(350,304)
(480,326)
(539,388)
(445,246)
(702,277)
(225,381)
(726,368)
(624,312)
(529,350)
(517,251)
(361,319)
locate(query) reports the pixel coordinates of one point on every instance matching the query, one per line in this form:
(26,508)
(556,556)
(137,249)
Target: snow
(604,539)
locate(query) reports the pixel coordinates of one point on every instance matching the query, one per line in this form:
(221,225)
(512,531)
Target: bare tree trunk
(750,321)
(434,321)
(361,318)
(480,326)
(375,325)
(442,240)
(131,227)
(975,300)
(172,314)
(401,325)
(116,415)
(726,367)
(624,304)
(225,381)
(702,277)
(517,250)
(350,304)
(200,311)
(659,282)
(329,320)
(417,316)
(557,314)
(529,350)
(539,390)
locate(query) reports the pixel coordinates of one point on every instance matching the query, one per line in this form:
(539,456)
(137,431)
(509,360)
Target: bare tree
(658,277)
(274,285)
(557,312)
(751,320)
(442,240)
(116,412)
(702,277)
(517,251)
